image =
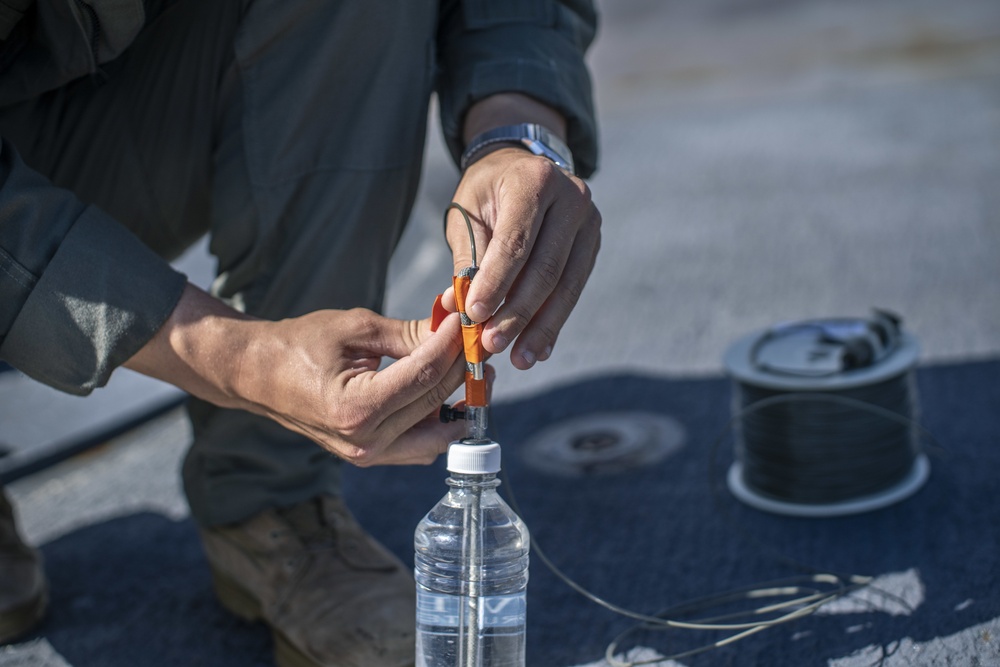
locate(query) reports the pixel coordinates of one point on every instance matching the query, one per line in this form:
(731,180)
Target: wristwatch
(535,138)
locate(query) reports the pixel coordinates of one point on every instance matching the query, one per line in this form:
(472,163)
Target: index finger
(514,236)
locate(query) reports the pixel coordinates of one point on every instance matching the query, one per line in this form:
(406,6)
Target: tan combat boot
(331,594)
(23,589)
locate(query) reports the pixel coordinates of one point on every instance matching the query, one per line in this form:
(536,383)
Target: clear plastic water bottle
(471,569)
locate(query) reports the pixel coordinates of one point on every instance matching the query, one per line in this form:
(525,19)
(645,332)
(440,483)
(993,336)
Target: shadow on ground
(135,590)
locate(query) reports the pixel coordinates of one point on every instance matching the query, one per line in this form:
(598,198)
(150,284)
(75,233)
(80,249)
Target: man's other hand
(537,232)
(318,374)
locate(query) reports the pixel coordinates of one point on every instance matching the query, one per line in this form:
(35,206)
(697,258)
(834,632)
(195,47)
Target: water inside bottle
(471,613)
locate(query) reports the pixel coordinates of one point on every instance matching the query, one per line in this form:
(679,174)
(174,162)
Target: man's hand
(541,233)
(318,375)
(537,233)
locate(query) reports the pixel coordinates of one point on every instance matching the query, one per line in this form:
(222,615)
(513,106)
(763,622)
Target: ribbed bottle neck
(464,480)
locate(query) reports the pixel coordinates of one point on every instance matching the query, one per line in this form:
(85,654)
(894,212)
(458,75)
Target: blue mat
(134,591)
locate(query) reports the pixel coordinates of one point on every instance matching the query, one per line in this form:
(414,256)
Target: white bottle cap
(474,459)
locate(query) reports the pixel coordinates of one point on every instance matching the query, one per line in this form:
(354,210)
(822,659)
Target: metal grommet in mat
(603,443)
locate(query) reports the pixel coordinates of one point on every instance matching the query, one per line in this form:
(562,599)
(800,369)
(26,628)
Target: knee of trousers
(333,115)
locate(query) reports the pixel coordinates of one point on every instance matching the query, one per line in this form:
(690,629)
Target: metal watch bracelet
(536,138)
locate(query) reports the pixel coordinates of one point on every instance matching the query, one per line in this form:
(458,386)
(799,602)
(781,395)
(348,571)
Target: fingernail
(529,356)
(499,342)
(546,353)
(478,312)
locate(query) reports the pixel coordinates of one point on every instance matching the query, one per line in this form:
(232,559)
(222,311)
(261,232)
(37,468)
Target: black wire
(823,451)
(834,585)
(885,410)
(815,590)
(468,224)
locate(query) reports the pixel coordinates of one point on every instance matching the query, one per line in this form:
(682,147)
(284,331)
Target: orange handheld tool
(472,334)
(476,408)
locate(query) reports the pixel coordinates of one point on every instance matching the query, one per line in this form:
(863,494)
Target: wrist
(510,109)
(201,348)
(513,119)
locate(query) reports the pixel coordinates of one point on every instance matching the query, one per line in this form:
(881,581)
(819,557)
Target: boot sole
(235,598)
(243,604)
(24,619)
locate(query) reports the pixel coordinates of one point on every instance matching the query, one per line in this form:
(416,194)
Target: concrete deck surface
(762,161)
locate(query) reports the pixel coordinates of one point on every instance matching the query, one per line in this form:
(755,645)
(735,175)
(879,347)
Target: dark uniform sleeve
(79,294)
(534,47)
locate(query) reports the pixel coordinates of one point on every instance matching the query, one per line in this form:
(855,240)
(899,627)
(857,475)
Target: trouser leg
(327,139)
(291,131)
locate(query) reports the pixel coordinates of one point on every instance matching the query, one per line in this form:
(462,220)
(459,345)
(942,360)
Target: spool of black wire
(826,414)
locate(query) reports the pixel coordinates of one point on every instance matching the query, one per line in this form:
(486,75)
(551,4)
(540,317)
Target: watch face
(556,149)
(539,148)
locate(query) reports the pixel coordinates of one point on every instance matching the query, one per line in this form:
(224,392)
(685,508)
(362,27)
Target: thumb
(398,338)
(382,336)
